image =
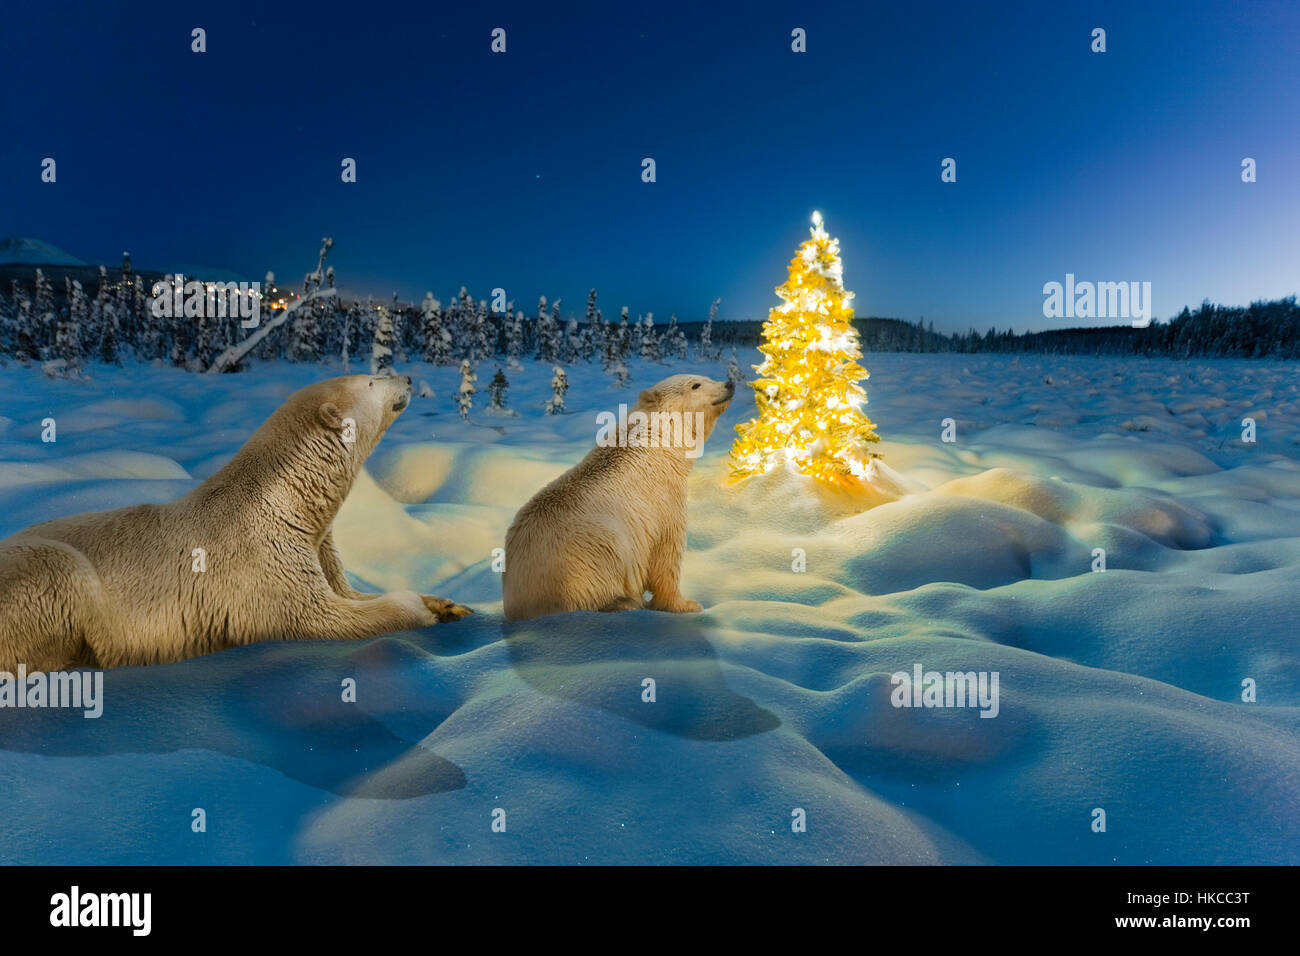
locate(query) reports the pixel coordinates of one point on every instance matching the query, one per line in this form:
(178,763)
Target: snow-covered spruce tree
(436,339)
(559,385)
(139,313)
(455,326)
(325,310)
(675,343)
(734,374)
(514,336)
(465,394)
(651,350)
(6,329)
(269,346)
(317,277)
(481,345)
(347,329)
(573,347)
(334,321)
(462,333)
(7,313)
(70,326)
(177,333)
(134,326)
(304,334)
(381,347)
(705,351)
(103,323)
(23,332)
(623,338)
(620,373)
(557,327)
(46,319)
(497,389)
(593,341)
(637,338)
(548,336)
(367,324)
(141,330)
(397,315)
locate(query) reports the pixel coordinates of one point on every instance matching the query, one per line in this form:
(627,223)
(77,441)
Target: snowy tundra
(1117,540)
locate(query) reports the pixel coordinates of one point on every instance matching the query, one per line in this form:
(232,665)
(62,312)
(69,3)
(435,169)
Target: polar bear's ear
(650,397)
(330,415)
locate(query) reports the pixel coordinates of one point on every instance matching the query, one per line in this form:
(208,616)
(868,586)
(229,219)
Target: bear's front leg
(663,575)
(330,616)
(332,568)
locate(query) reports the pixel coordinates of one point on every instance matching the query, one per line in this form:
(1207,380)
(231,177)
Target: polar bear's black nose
(408,379)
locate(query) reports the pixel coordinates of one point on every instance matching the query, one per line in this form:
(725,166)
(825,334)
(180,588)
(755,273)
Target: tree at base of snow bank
(465,394)
(620,374)
(559,385)
(807,390)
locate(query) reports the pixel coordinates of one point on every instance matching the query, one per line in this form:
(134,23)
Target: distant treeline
(98,315)
(1260,330)
(106,316)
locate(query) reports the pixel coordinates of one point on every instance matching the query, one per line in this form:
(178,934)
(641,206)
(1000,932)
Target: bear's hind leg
(51,601)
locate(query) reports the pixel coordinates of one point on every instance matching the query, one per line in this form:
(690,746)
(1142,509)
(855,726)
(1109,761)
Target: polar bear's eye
(695,386)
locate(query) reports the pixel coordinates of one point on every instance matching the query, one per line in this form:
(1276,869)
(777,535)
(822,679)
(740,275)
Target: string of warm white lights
(808,393)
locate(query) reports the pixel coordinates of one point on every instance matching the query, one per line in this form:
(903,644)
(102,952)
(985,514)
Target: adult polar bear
(130,586)
(614,526)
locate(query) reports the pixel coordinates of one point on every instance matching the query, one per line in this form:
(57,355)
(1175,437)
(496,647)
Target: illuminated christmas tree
(807,390)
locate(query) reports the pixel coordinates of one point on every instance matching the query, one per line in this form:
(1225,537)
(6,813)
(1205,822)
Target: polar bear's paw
(680,606)
(445,610)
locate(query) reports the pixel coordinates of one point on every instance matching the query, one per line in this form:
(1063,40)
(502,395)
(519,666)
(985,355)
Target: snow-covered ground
(1119,690)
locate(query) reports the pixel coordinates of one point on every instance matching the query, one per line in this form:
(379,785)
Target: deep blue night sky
(523,170)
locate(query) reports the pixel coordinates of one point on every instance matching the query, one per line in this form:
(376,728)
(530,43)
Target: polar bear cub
(613,527)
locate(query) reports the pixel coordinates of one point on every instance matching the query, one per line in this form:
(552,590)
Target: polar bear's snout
(404,395)
(729,389)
